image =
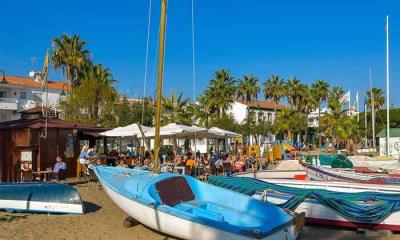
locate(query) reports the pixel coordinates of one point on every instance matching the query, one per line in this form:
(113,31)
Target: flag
(356,102)
(43,74)
(345,98)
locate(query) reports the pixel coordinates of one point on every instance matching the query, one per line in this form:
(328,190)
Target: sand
(104,221)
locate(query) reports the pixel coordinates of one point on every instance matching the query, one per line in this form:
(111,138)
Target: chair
(62,175)
(92,178)
(27,176)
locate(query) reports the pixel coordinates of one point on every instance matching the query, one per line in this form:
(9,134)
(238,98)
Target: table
(44,173)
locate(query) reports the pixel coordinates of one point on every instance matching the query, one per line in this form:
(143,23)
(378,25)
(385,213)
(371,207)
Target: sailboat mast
(372,109)
(387,88)
(156,163)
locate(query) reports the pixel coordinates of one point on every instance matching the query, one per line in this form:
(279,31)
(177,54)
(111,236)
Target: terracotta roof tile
(56,85)
(261,104)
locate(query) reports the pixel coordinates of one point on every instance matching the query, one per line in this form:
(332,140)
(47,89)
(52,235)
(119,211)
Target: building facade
(18,94)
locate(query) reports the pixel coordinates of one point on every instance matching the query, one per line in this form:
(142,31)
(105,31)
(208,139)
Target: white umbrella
(131,130)
(221,133)
(176,131)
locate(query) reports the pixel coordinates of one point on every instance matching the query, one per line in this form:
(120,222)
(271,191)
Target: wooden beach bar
(37,141)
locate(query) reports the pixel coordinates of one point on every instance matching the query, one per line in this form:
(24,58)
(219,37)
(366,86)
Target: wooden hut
(40,140)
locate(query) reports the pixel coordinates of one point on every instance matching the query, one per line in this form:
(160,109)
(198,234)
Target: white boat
(321,173)
(40,198)
(273,174)
(375,164)
(335,186)
(324,207)
(286,169)
(184,207)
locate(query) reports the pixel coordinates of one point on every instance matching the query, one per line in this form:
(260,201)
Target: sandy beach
(104,221)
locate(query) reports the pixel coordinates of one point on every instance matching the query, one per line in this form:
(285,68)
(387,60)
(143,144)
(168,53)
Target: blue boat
(187,208)
(40,197)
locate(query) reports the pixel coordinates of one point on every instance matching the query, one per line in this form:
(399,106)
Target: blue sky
(337,41)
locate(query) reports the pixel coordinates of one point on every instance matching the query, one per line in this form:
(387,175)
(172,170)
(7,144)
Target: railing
(8,104)
(8,100)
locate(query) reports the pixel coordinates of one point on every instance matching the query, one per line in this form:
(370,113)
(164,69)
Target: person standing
(83,160)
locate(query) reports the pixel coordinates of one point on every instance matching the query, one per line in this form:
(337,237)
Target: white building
(262,110)
(19,93)
(394,142)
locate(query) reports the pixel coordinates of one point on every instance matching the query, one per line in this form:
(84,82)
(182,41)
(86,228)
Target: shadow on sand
(90,207)
(10,218)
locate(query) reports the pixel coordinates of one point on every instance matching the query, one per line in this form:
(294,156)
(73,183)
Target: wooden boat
(320,173)
(187,208)
(321,210)
(40,197)
(287,169)
(273,174)
(335,186)
(375,164)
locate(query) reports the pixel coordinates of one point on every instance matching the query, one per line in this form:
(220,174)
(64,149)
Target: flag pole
(372,109)
(387,88)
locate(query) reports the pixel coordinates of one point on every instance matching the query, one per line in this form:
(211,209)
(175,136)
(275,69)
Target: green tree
(294,90)
(203,112)
(336,92)
(95,93)
(274,89)
(70,55)
(248,88)
(176,109)
(379,99)
(320,91)
(221,91)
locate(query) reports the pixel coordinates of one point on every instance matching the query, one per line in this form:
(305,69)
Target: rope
(147,59)
(145,81)
(194,80)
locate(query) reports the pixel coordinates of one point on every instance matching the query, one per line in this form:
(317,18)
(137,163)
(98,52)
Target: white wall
(239,111)
(394,147)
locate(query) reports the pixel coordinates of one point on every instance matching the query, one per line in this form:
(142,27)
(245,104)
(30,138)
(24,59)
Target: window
(22,95)
(3,95)
(260,117)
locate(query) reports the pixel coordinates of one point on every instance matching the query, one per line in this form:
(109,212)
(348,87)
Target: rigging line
(147,59)
(194,81)
(145,82)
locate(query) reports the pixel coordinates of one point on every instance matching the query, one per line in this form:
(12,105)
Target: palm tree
(102,82)
(336,92)
(379,99)
(70,55)
(203,110)
(274,89)
(320,90)
(293,91)
(248,88)
(176,109)
(221,91)
(307,105)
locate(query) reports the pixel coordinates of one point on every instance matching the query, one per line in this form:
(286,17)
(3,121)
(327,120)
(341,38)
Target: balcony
(8,104)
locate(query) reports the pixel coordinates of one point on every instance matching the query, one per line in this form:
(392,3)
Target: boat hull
(40,198)
(273,174)
(317,213)
(179,227)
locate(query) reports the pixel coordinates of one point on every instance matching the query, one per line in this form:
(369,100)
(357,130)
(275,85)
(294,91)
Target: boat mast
(372,109)
(156,163)
(387,88)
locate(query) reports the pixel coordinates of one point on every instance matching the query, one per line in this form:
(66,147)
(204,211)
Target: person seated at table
(146,164)
(122,164)
(92,152)
(25,167)
(59,165)
(112,157)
